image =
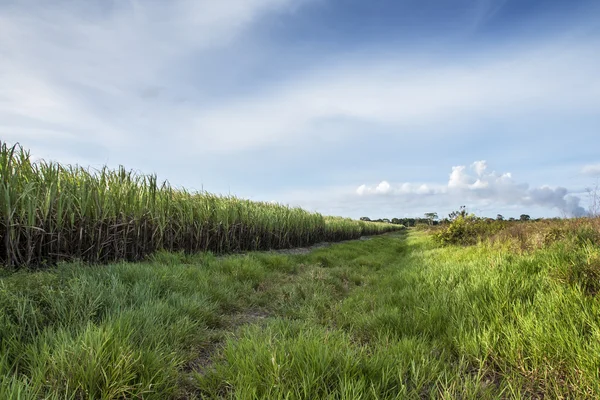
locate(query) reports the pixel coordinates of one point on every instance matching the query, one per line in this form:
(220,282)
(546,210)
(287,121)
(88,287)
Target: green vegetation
(397,316)
(50,213)
(466,307)
(468,230)
(522,235)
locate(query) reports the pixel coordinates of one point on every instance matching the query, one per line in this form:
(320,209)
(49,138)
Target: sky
(380,108)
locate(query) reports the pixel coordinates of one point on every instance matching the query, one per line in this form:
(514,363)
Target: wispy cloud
(154,85)
(591,170)
(71,74)
(92,69)
(398,92)
(477,185)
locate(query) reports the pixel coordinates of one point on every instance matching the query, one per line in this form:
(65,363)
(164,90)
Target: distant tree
(594,200)
(365,219)
(462,212)
(385,220)
(511,219)
(396,221)
(500,217)
(431,216)
(524,217)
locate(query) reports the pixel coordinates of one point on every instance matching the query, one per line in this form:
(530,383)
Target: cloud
(112,75)
(591,170)
(156,85)
(477,185)
(383,188)
(108,71)
(399,93)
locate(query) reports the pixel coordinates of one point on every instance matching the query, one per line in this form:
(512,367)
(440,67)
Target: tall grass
(51,212)
(395,317)
(521,236)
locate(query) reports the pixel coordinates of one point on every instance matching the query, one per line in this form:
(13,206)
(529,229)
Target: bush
(584,273)
(468,230)
(421,226)
(553,235)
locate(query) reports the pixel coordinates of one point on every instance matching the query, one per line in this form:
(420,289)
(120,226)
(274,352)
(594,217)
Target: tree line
(432,218)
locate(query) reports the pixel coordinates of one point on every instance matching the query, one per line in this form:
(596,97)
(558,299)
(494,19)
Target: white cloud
(479,167)
(398,92)
(66,70)
(458,179)
(383,188)
(108,78)
(90,68)
(362,189)
(477,185)
(591,170)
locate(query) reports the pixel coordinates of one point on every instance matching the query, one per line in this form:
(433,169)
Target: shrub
(583,273)
(468,230)
(421,226)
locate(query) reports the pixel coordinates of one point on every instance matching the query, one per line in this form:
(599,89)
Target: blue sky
(381,108)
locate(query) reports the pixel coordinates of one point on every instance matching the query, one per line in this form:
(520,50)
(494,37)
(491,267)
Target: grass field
(397,316)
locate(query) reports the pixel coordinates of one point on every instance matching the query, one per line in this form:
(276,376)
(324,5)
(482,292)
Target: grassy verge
(393,317)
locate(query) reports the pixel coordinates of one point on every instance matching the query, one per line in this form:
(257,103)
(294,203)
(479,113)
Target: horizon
(390,109)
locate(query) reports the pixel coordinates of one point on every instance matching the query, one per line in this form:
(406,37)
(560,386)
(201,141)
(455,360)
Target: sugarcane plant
(51,212)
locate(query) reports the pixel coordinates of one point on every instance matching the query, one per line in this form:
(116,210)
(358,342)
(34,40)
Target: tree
(511,219)
(365,219)
(594,196)
(462,212)
(431,216)
(500,217)
(524,217)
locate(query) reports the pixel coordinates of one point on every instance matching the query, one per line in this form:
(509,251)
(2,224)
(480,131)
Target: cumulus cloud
(591,170)
(478,185)
(383,188)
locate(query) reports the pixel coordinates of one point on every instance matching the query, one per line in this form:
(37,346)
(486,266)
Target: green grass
(393,317)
